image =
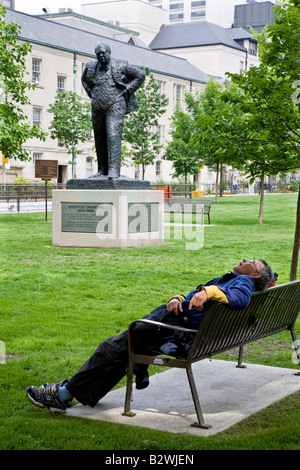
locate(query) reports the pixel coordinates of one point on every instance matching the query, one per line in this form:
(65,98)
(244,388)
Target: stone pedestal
(107,218)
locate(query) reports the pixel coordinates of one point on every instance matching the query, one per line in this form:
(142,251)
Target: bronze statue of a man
(111,84)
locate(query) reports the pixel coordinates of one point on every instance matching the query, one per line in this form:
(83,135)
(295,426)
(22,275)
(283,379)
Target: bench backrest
(183,201)
(270,311)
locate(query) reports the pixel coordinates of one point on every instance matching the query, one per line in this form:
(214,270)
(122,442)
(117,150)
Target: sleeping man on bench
(108,364)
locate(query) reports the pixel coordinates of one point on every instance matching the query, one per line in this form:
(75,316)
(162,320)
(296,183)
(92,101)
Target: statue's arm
(85,82)
(136,77)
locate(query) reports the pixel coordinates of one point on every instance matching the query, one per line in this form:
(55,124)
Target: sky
(34,7)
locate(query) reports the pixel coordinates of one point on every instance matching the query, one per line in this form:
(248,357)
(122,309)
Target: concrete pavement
(227,396)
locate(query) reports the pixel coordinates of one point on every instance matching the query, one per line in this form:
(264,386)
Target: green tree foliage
(71,123)
(270,101)
(15,128)
(200,136)
(140,126)
(182,150)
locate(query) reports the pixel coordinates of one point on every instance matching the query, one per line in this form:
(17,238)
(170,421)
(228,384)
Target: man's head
(102,52)
(259,270)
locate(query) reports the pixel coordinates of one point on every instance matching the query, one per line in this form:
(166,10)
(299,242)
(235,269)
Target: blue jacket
(238,289)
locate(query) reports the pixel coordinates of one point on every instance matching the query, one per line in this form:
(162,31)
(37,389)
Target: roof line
(93,56)
(80,15)
(241,48)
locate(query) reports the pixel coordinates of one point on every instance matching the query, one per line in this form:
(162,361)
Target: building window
(158,133)
(8,4)
(137,171)
(252,48)
(36,71)
(161,87)
(158,169)
(61,83)
(36,156)
(89,166)
(176,6)
(200,3)
(176,16)
(197,14)
(241,66)
(37,116)
(178,93)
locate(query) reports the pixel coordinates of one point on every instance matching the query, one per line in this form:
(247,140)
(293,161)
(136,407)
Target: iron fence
(27,192)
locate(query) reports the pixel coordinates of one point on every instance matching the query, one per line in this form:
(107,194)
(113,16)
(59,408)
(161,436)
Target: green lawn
(57,304)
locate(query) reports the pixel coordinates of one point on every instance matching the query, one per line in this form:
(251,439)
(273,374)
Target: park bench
(222,329)
(188,206)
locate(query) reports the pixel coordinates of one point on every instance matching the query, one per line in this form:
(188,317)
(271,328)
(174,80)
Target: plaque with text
(86,217)
(46,169)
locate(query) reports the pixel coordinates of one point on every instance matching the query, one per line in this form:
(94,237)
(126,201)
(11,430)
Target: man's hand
(174,305)
(198,300)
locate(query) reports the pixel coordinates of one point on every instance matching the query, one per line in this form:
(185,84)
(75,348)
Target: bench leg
(128,396)
(297,350)
(240,359)
(200,423)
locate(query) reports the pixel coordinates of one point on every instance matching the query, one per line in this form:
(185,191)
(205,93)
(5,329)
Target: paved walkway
(25,206)
(227,396)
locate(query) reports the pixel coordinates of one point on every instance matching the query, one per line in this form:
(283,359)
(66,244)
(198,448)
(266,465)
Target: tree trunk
(261,205)
(295,256)
(217,181)
(221,179)
(73,163)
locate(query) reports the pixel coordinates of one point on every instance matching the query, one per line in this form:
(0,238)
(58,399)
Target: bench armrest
(164,325)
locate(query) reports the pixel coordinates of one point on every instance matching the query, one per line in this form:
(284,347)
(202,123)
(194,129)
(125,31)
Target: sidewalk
(25,206)
(227,396)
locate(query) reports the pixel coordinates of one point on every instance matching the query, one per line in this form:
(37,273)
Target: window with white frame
(178,93)
(158,169)
(161,84)
(35,157)
(37,116)
(252,48)
(158,133)
(136,171)
(36,71)
(61,83)
(89,166)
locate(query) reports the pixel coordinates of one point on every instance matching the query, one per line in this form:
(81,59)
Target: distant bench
(269,312)
(188,206)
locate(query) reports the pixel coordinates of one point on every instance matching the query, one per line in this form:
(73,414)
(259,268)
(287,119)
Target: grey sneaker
(46,396)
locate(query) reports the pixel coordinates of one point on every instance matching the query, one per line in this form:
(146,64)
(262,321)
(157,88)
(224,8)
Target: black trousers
(106,367)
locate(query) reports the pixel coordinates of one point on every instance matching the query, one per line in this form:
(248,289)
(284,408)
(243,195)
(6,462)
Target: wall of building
(215,60)
(132,14)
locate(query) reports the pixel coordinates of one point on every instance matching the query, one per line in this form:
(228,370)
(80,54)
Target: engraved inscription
(86,217)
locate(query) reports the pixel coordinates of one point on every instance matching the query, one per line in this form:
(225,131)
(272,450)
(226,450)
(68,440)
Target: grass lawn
(57,304)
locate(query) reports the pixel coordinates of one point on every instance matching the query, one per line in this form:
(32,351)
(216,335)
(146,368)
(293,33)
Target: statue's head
(103,52)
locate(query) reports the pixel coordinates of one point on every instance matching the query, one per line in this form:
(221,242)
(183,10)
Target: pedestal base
(103,182)
(107,219)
